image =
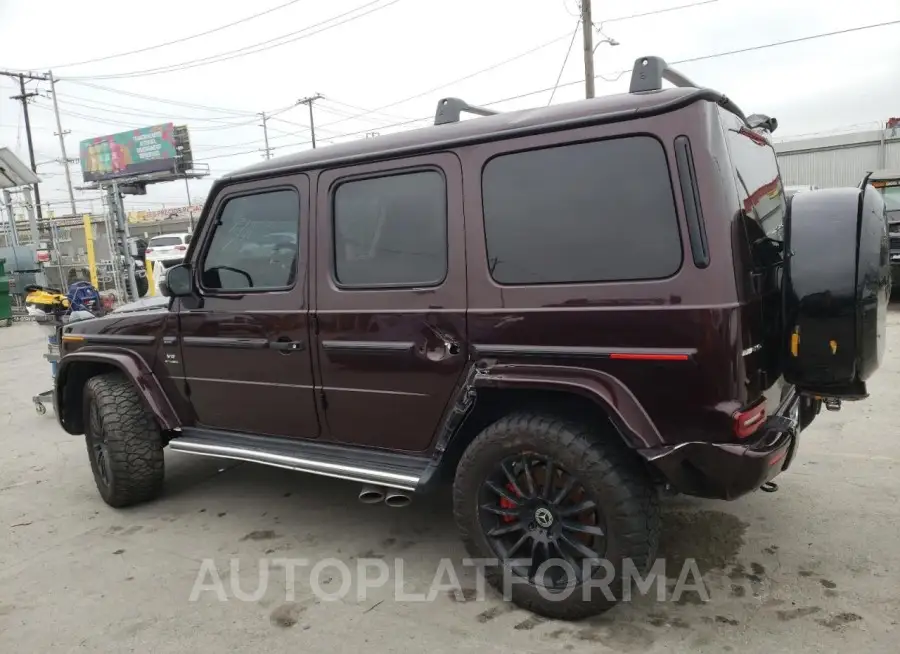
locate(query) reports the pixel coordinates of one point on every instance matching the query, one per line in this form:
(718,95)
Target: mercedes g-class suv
(566,311)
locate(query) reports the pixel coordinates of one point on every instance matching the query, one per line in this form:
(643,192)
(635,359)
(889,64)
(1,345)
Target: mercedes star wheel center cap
(543,517)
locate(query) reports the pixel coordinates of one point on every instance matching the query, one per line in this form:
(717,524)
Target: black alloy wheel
(563,505)
(98,446)
(534,511)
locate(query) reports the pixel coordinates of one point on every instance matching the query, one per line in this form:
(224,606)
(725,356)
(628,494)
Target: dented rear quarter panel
(513,330)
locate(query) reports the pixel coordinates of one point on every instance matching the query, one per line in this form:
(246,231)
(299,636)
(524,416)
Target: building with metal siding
(840,160)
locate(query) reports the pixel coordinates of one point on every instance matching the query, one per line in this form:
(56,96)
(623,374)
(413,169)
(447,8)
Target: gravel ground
(812,568)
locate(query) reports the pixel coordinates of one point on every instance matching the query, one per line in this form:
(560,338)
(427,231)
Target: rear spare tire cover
(837,287)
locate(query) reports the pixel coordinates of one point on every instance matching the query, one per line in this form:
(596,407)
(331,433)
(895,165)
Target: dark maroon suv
(565,311)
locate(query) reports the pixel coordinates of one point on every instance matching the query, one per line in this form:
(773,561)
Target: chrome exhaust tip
(397,499)
(371,494)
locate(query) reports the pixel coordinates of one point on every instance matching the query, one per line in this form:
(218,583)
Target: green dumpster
(5,307)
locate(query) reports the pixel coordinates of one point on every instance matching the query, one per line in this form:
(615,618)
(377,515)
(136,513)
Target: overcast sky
(413,49)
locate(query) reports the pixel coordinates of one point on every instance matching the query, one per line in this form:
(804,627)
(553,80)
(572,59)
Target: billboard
(136,152)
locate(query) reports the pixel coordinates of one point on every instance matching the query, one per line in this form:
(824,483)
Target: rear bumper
(728,470)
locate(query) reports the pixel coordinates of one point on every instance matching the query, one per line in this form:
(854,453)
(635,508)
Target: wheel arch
(77,368)
(488,394)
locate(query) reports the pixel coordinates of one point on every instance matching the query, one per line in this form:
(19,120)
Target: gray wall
(841,160)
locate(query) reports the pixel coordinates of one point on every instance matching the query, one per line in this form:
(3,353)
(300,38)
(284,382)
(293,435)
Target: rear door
(245,342)
(763,207)
(391,298)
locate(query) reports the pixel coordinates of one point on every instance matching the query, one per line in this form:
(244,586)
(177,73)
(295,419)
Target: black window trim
(377,174)
(580,141)
(221,201)
(690,196)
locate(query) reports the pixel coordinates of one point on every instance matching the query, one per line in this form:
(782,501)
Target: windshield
(162,241)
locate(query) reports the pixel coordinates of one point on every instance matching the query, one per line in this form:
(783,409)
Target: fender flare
(619,403)
(133,367)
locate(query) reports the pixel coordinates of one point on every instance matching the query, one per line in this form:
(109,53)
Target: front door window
(254,246)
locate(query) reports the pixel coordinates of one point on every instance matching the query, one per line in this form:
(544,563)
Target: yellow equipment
(46,300)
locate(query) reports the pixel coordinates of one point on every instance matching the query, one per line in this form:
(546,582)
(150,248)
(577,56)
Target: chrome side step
(357,464)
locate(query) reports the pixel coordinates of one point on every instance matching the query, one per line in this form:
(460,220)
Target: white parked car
(168,248)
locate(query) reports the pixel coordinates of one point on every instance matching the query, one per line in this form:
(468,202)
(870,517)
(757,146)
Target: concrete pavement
(812,568)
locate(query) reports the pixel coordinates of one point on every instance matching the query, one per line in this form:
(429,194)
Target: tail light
(181,248)
(148,250)
(747,422)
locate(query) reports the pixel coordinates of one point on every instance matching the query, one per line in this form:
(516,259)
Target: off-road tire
(609,474)
(134,465)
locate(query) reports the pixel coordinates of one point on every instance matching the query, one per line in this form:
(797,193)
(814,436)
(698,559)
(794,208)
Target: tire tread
(133,439)
(604,459)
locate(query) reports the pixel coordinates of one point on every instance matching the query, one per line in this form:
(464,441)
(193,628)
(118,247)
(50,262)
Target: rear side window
(391,231)
(758,182)
(587,212)
(163,241)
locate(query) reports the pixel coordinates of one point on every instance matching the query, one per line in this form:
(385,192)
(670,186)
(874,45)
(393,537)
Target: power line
(716,55)
(565,60)
(358,108)
(703,57)
(233,112)
(363,111)
(344,114)
(133,124)
(181,40)
(786,42)
(250,49)
(507,61)
(511,59)
(456,81)
(599,27)
(130,111)
(579,81)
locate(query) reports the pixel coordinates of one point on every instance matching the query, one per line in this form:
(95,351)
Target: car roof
(609,108)
(171,234)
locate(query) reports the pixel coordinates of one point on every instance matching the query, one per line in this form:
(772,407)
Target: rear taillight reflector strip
(585,352)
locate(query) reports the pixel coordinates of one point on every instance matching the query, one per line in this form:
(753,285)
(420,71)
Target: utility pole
(187,190)
(312,125)
(587,27)
(23,97)
(267,150)
(62,145)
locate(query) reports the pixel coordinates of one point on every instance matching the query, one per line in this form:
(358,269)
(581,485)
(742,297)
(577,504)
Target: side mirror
(178,281)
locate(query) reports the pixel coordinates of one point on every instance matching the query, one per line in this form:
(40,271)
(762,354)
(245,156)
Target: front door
(391,299)
(245,342)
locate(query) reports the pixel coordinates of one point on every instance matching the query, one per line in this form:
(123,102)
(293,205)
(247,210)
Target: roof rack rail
(450,109)
(648,74)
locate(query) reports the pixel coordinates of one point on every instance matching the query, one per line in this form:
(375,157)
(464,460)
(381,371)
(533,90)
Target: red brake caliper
(508,504)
